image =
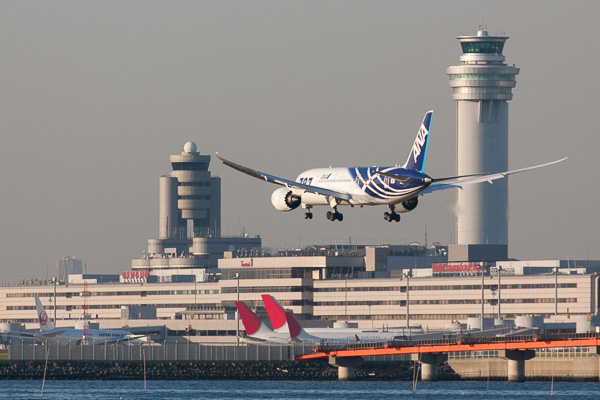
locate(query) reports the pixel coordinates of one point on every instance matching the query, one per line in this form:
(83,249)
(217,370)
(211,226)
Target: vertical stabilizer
(284,321)
(45,322)
(416,157)
(296,331)
(294,325)
(251,322)
(256,329)
(276,313)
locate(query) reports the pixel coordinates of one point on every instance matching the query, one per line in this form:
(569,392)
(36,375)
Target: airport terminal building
(323,289)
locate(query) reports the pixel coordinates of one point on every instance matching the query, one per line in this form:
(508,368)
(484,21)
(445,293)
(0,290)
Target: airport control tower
(482,86)
(189,216)
(190,193)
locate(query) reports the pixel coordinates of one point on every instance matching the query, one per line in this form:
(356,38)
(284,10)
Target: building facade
(321,290)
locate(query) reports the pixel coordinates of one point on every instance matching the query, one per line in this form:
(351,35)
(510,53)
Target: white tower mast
(482,86)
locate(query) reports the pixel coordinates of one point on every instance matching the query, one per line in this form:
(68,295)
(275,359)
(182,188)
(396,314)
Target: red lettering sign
(457,267)
(247,263)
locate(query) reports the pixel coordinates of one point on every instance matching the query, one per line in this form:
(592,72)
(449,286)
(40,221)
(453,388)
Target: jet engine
(407,205)
(284,200)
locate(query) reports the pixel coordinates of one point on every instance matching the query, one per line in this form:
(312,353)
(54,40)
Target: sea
(296,390)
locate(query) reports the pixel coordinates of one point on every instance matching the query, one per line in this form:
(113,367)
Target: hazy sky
(95,96)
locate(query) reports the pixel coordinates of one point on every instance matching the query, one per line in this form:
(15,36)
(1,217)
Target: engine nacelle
(407,205)
(284,200)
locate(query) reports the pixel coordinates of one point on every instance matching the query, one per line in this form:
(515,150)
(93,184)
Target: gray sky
(95,96)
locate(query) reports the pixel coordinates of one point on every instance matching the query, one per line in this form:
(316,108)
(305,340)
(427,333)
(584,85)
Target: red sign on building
(467,268)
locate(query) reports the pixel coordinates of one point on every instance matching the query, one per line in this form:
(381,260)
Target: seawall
(218,370)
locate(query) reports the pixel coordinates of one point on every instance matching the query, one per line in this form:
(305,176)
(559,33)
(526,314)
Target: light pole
(346,299)
(54,281)
(237,318)
(408,300)
(482,296)
(499,291)
(493,300)
(556,291)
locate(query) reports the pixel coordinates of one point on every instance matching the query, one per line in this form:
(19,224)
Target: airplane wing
(460,181)
(19,335)
(129,339)
(51,334)
(284,182)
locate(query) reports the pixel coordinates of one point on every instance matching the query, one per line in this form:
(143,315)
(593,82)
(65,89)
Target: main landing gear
(335,215)
(331,215)
(393,216)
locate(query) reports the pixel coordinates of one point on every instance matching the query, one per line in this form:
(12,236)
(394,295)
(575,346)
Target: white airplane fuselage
(364,185)
(97,336)
(48,332)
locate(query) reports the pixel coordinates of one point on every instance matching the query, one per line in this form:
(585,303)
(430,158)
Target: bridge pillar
(595,350)
(429,364)
(516,363)
(346,366)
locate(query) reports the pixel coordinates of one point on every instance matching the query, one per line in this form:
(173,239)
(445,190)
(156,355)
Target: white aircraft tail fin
(45,322)
(418,151)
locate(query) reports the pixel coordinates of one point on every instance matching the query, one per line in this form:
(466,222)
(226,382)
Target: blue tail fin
(416,158)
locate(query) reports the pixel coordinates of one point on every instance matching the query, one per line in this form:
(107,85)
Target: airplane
(398,187)
(48,332)
(284,321)
(256,330)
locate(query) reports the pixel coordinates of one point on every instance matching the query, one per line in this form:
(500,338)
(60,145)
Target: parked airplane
(256,330)
(397,187)
(48,332)
(285,322)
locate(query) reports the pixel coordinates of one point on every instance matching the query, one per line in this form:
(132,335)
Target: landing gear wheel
(389,217)
(308,214)
(332,216)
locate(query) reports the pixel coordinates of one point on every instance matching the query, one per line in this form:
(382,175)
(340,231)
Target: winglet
(416,157)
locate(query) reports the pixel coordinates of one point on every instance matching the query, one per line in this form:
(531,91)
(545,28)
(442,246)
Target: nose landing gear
(308,214)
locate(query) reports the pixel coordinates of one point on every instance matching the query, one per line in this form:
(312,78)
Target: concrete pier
(516,363)
(346,366)
(429,364)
